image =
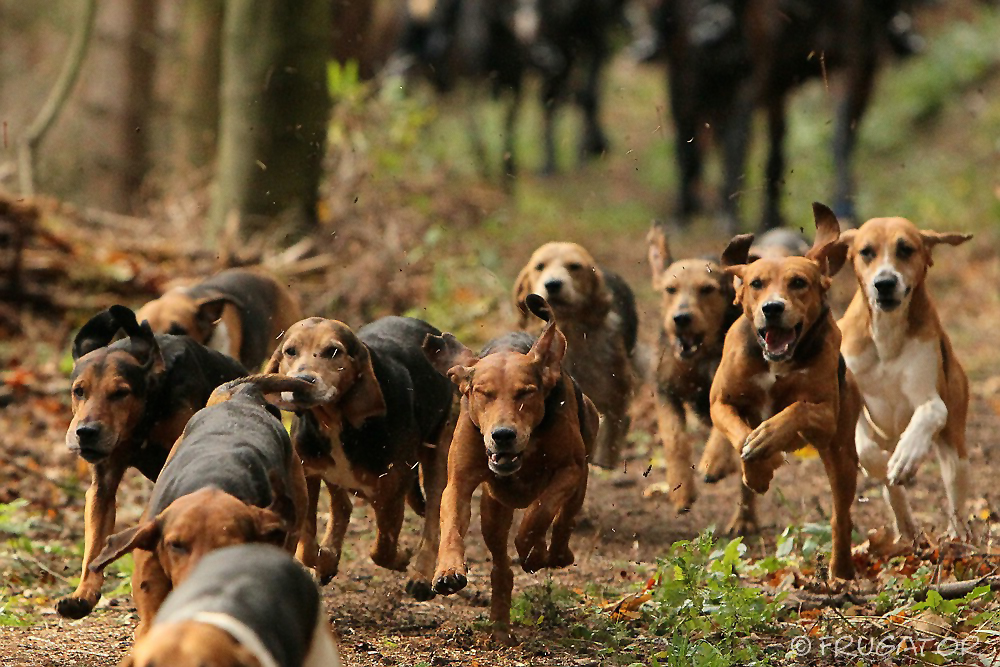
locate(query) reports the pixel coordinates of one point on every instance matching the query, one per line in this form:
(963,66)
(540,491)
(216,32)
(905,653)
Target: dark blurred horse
(728,57)
(500,41)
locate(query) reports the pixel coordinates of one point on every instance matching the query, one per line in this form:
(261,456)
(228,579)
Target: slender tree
(274,111)
(196,103)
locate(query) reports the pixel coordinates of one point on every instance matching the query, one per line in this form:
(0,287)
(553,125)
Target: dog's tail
(257,386)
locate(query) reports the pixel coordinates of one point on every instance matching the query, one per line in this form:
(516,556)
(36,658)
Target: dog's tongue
(777,340)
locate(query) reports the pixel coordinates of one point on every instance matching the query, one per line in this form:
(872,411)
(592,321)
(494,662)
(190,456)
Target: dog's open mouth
(298,400)
(504,463)
(686,345)
(888,303)
(91,455)
(778,342)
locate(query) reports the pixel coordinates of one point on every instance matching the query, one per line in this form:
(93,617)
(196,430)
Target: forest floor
(410,226)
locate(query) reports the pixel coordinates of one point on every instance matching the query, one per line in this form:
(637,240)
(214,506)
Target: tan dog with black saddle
(238,312)
(915,391)
(232,478)
(130,400)
(782,383)
(524,433)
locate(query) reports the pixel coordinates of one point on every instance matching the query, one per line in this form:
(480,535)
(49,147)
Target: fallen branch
(802,601)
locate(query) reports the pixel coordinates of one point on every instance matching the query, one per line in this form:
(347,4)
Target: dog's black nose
(311,379)
(682,320)
(773,309)
(553,286)
(88,434)
(886,285)
(504,437)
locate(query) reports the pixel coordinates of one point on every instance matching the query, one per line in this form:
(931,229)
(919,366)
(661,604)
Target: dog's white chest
(765,381)
(894,388)
(336,470)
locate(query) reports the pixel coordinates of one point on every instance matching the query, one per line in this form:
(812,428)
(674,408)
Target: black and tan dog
(375,411)
(782,383)
(697,310)
(524,433)
(597,314)
(232,478)
(130,403)
(249,605)
(239,312)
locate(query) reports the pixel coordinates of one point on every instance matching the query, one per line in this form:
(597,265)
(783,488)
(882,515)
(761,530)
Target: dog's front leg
(99,523)
(680,488)
(496,522)
(333,538)
(915,443)
(456,510)
(308,548)
(530,540)
(434,464)
(797,425)
(389,504)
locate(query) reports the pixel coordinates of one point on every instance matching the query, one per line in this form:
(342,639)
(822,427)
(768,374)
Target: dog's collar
(240,632)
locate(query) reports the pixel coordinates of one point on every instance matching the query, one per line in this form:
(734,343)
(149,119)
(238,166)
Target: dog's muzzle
(502,454)
(686,341)
(776,338)
(90,441)
(887,291)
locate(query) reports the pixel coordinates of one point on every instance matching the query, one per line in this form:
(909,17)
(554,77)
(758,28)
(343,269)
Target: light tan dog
(915,391)
(782,383)
(239,312)
(596,312)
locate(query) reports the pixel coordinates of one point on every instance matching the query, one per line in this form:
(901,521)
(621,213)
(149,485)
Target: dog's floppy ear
(659,251)
(142,341)
(144,536)
(210,312)
(548,351)
(932,238)
(98,332)
(269,526)
(274,363)
(522,288)
(734,260)
(825,250)
(364,398)
(450,358)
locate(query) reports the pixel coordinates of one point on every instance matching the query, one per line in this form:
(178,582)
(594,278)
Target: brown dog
(597,314)
(130,401)
(242,606)
(782,383)
(221,486)
(374,411)
(524,433)
(915,391)
(238,312)
(697,310)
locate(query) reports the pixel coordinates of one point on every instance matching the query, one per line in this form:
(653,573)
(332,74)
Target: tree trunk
(119,101)
(274,111)
(196,104)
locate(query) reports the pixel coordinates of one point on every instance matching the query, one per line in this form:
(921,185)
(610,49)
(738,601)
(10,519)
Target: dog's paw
(327,566)
(561,558)
(536,559)
(762,442)
(449,581)
(420,589)
(905,461)
(742,525)
(717,468)
(76,607)
(398,561)
(681,496)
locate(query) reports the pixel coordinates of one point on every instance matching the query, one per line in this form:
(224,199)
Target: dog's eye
(524,393)
(176,330)
(756,283)
(904,250)
(329,353)
(705,290)
(485,393)
(539,266)
(290,351)
(671,290)
(798,283)
(178,547)
(119,394)
(78,391)
(574,266)
(867,253)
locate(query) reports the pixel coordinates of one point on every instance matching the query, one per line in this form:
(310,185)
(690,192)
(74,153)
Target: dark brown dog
(130,403)
(213,492)
(697,309)
(524,433)
(374,412)
(782,383)
(238,312)
(597,314)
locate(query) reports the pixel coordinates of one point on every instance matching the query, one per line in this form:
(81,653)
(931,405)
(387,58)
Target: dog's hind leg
(388,523)
(560,554)
(496,521)
(434,464)
(842,472)
(679,487)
